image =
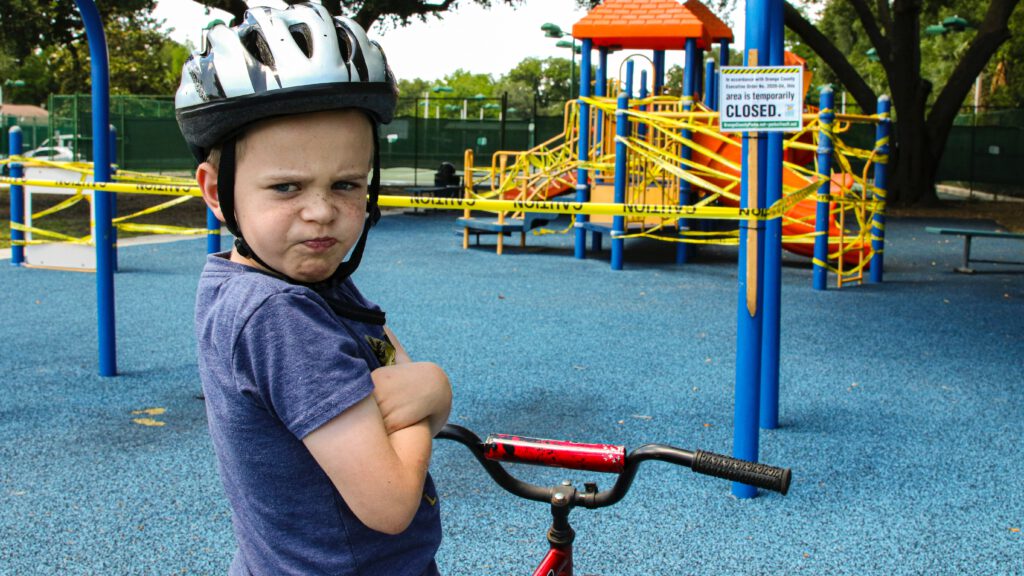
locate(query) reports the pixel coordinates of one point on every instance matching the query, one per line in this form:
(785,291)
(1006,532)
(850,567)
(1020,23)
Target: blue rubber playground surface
(901,409)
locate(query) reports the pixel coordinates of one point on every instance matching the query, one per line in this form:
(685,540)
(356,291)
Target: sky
(472,38)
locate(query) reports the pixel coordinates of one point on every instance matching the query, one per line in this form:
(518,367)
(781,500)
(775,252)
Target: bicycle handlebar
(602,458)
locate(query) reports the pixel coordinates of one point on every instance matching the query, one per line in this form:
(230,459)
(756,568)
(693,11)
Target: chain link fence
(985,148)
(985,151)
(34,131)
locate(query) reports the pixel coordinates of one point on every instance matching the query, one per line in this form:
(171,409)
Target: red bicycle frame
(555,563)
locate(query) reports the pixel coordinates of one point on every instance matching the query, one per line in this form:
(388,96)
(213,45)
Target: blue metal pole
(659,71)
(746,418)
(698,85)
(600,91)
(772,327)
(212,233)
(689,87)
(881,181)
(101,173)
(641,130)
(629,78)
(710,98)
(113,197)
(582,189)
(826,116)
(622,131)
(723,53)
(14,140)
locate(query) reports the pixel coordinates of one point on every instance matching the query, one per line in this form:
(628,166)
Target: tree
(145,60)
(367,12)
(894,31)
(44,45)
(27,26)
(544,81)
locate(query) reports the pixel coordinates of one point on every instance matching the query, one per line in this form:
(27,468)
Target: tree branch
(867,20)
(371,11)
(836,60)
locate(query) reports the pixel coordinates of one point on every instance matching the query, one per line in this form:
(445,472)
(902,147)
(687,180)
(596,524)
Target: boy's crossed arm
(376,453)
(410,393)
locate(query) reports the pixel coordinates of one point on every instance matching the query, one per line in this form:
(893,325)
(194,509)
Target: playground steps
(492,225)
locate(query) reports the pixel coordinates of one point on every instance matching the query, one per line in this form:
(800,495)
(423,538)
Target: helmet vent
(256,45)
(344,43)
(303,37)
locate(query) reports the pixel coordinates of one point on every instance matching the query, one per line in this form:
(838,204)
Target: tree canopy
(369,12)
(543,83)
(44,46)
(30,25)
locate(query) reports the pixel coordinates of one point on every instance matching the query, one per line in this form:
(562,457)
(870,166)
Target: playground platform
(900,410)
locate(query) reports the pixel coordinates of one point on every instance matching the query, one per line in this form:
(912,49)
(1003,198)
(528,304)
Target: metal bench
(968,234)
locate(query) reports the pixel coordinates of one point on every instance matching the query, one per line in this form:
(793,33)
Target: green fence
(986,147)
(34,131)
(148,138)
(426,143)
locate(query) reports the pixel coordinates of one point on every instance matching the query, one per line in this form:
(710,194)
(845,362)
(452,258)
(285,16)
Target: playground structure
(653,149)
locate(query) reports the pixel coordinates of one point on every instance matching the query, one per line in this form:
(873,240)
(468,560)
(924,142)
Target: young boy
(321,423)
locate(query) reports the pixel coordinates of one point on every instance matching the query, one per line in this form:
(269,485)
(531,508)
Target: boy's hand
(411,392)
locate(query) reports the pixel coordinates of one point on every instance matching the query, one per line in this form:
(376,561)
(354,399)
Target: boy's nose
(319,208)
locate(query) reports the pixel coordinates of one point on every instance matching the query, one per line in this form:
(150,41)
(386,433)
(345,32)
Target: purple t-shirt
(276,364)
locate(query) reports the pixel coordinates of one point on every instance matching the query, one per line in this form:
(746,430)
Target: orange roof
(791,59)
(716,28)
(642,24)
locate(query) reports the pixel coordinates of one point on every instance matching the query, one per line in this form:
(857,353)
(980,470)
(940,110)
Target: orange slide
(802,214)
(556,187)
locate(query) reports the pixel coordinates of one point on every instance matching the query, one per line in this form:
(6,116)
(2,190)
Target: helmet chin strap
(226,193)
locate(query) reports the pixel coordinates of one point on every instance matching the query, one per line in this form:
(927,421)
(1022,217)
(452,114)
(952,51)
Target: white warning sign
(761,99)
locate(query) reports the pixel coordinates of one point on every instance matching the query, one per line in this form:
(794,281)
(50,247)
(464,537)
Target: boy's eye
(284,188)
(346,185)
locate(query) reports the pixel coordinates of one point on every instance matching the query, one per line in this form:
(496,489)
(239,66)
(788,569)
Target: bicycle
(594,458)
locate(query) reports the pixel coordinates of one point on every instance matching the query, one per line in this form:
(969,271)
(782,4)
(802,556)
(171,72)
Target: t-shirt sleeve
(293,357)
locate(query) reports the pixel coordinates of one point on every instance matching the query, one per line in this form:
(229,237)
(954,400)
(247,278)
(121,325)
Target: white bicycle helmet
(277,62)
(282,60)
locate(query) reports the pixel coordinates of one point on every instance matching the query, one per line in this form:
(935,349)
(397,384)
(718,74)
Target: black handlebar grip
(752,473)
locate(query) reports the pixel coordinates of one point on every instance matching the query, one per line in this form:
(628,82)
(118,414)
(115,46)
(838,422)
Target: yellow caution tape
(162,229)
(47,234)
(71,201)
(154,189)
(152,209)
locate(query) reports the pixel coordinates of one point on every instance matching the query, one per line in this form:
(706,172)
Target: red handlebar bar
(556,453)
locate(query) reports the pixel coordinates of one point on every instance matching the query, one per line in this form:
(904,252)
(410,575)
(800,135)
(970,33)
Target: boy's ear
(206,176)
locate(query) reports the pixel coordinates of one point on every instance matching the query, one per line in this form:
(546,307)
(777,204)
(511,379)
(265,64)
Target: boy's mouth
(320,244)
